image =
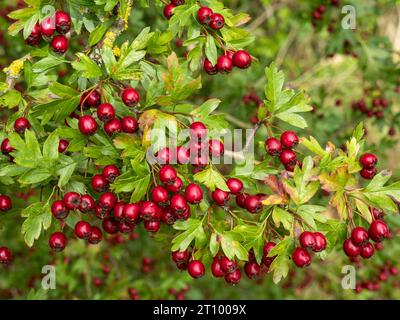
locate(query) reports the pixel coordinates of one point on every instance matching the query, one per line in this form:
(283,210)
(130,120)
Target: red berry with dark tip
(62,145)
(87,125)
(228,265)
(350,249)
(241,59)
(91,99)
(216,269)
(217,21)
(198,130)
(21,124)
(5,203)
(35,36)
(367,250)
(99,183)
(220,197)
(107,200)
(95,236)
(83,229)
(180,256)
(130,97)
(224,64)
(176,186)
(59,44)
(288,157)
(159,195)
(216,148)
(87,204)
(253,204)
(204,15)
(378,230)
(5,255)
(359,236)
(289,139)
(182,155)
(241,200)
(209,68)
(6,147)
(178,204)
(273,146)
(113,126)
(149,211)
(368,174)
(101,212)
(164,156)
(63,22)
(105,112)
(118,211)
(167,216)
(110,225)
(268,246)
(193,193)
(301,257)
(152,226)
(72,200)
(307,240)
(111,172)
(167,175)
(233,277)
(235,185)
(368,160)
(252,269)
(169,10)
(58,241)
(59,210)
(129,124)
(196,269)
(47,27)
(320,242)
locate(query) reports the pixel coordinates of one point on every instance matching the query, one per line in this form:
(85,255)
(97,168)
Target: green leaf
(35,176)
(50,147)
(46,63)
(38,218)
(206,108)
(193,230)
(86,66)
(211,178)
(214,244)
(280,215)
(273,88)
(232,248)
(211,50)
(97,34)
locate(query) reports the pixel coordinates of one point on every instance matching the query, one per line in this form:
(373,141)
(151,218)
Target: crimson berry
(182,215)
(368,160)
(91,99)
(130,97)
(129,124)
(87,203)
(393,271)
(235,185)
(62,145)
(288,157)
(152,226)
(320,242)
(209,68)
(204,15)
(105,112)
(253,204)
(216,148)
(113,126)
(35,36)
(198,130)
(233,277)
(359,236)
(83,229)
(63,21)
(196,269)
(96,235)
(159,195)
(101,212)
(5,203)
(21,124)
(367,250)
(118,211)
(59,44)
(241,59)
(175,186)
(193,193)
(167,175)
(5,255)
(167,216)
(241,200)
(217,21)
(72,200)
(107,200)
(59,210)
(273,146)
(180,256)
(58,241)
(268,246)
(252,269)
(47,27)
(289,139)
(220,197)
(227,265)
(368,173)
(99,183)
(87,125)
(6,146)
(111,172)
(378,214)
(149,211)
(301,257)
(164,156)
(178,204)
(110,225)
(178,2)
(169,11)
(307,240)
(378,230)
(350,249)
(182,155)
(224,64)
(216,269)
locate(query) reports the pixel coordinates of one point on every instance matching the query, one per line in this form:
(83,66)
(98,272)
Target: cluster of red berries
(283,149)
(368,162)
(373,284)
(359,245)
(180,294)
(133,294)
(314,241)
(169,8)
(61,22)
(376,109)
(106,113)
(240,59)
(252,97)
(206,16)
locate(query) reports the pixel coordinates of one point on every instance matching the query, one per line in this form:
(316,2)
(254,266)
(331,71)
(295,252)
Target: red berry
(320,242)
(367,250)
(6,146)
(378,214)
(113,126)
(101,212)
(159,195)
(178,203)
(59,210)
(378,230)
(252,269)
(307,240)
(268,246)
(21,124)
(273,146)
(167,216)
(95,236)
(253,204)
(289,139)
(209,68)
(368,160)
(193,193)
(198,130)
(301,257)
(111,172)
(204,15)
(167,175)
(47,27)
(99,183)
(241,200)
(180,256)
(87,125)
(130,97)
(176,186)
(220,197)
(5,203)
(228,265)
(83,230)
(107,200)
(91,99)
(118,211)
(59,44)
(164,156)
(178,2)
(359,236)
(72,200)
(350,249)
(62,145)
(216,269)
(241,59)
(35,36)
(63,22)
(169,11)
(149,211)
(5,255)
(182,155)
(105,112)
(196,269)
(129,124)
(110,225)
(216,148)
(288,157)
(152,226)
(87,204)
(233,277)
(235,185)
(224,64)
(58,241)
(368,173)
(217,21)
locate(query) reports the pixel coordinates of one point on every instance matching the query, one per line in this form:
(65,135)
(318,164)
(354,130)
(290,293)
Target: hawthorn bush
(152,147)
